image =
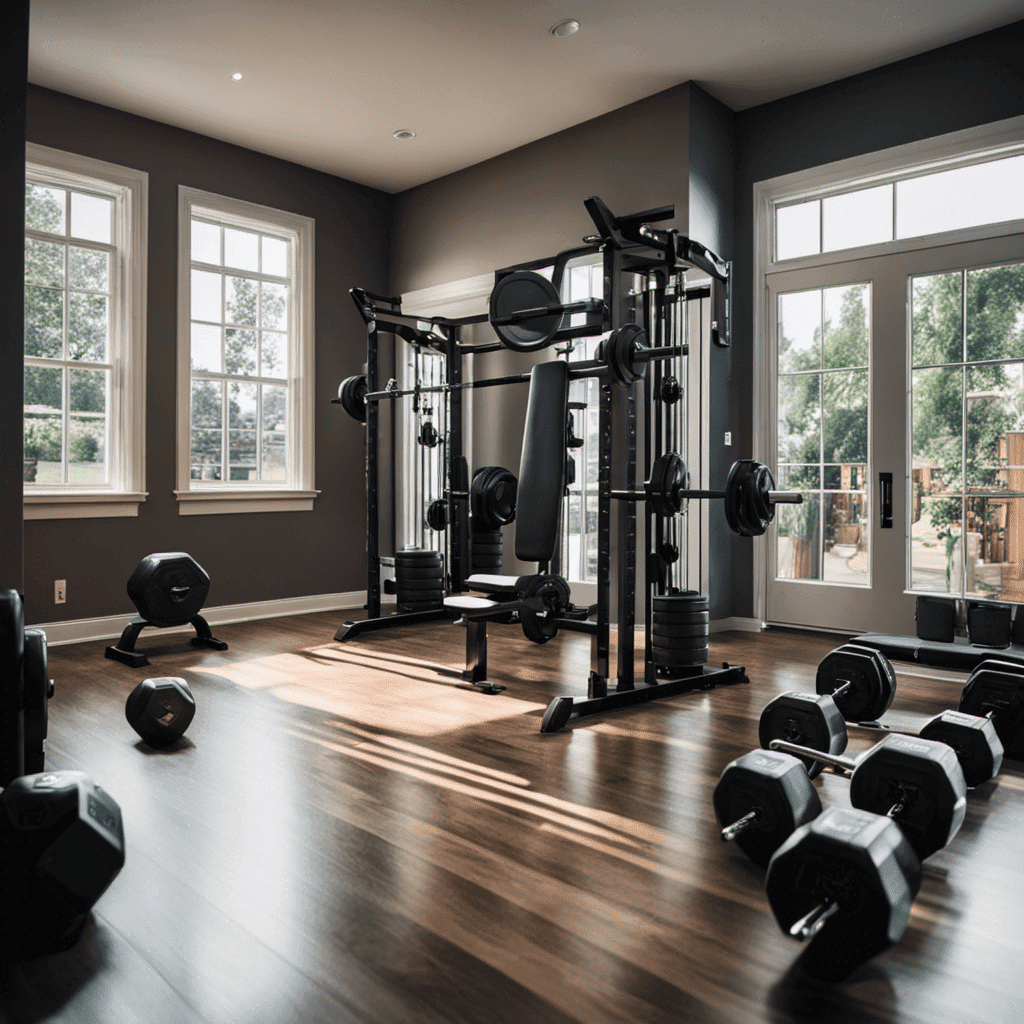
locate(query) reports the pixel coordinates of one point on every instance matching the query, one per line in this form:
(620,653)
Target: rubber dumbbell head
(160,710)
(973,739)
(63,843)
(806,719)
(761,798)
(860,681)
(847,880)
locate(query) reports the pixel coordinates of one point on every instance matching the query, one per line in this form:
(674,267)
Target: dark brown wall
(13,75)
(974,82)
(528,203)
(250,557)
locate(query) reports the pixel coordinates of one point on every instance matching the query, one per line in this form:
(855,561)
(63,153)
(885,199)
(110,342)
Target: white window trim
(227,497)
(943,152)
(128,384)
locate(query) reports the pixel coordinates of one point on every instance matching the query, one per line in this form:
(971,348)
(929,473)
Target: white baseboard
(736,622)
(77,631)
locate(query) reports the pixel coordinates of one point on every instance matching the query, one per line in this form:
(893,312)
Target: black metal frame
(442,336)
(624,244)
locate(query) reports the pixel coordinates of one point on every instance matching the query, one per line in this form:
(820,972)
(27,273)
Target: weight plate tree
(167,589)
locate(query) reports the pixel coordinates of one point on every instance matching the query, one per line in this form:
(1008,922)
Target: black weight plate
(869,672)
(670,619)
(685,602)
(682,643)
(620,352)
(37,696)
(487,547)
(430,606)
(680,659)
(428,599)
(418,558)
(424,572)
(437,514)
(485,536)
(524,289)
(490,562)
(680,629)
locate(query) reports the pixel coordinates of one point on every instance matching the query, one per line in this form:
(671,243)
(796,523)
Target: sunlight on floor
(367,687)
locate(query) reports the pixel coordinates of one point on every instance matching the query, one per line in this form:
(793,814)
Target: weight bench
(538,601)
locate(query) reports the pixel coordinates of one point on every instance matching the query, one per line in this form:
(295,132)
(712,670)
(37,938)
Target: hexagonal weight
(64,844)
(160,710)
(168,589)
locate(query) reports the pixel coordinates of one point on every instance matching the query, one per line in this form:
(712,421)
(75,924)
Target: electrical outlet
(60,591)
(728,437)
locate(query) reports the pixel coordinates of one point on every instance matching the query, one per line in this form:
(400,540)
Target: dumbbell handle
(847,764)
(814,920)
(730,832)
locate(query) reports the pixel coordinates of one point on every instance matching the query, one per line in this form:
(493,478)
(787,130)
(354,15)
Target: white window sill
(82,504)
(219,501)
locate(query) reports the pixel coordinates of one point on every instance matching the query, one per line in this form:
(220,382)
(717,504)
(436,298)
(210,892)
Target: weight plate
(426,606)
(680,629)
(417,572)
(352,393)
(524,289)
(414,556)
(747,508)
(621,351)
(682,643)
(871,679)
(669,619)
(668,478)
(491,562)
(479,536)
(688,600)
(680,659)
(437,514)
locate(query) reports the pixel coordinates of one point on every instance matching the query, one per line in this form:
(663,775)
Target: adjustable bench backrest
(542,467)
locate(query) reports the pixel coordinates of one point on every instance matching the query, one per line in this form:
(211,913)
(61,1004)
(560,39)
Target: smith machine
(643,290)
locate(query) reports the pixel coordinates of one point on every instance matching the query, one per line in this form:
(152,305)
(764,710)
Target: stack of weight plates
(679,631)
(486,552)
(419,579)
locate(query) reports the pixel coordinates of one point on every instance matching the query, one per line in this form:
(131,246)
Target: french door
(907,366)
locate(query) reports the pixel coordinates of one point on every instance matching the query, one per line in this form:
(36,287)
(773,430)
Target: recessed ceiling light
(237,76)
(404,133)
(565,28)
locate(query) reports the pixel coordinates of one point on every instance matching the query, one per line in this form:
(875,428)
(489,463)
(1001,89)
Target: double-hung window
(245,399)
(85,295)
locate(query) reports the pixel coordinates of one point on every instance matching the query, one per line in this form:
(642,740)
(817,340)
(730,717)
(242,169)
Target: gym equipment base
(960,654)
(561,709)
(124,651)
(351,628)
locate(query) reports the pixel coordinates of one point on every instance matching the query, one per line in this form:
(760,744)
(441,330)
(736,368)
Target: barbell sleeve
(846,764)
(813,921)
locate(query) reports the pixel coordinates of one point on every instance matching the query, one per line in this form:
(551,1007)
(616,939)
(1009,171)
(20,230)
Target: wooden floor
(348,834)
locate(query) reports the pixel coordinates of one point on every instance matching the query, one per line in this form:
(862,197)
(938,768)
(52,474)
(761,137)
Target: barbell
(749,494)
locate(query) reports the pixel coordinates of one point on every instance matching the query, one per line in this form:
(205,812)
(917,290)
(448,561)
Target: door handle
(885,499)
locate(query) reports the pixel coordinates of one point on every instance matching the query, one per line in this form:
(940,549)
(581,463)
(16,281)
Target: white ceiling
(327,81)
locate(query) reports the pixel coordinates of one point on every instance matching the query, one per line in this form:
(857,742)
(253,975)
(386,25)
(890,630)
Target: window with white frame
(245,357)
(85,288)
